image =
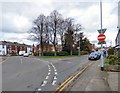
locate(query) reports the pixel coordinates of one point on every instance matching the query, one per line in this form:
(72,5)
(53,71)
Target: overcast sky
(17,17)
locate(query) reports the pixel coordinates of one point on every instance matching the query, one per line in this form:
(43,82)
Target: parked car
(25,54)
(94,56)
(98,55)
(21,53)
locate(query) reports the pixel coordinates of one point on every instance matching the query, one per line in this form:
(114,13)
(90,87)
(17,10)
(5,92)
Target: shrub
(84,52)
(112,57)
(113,60)
(36,53)
(106,61)
(48,53)
(13,53)
(62,53)
(75,53)
(111,51)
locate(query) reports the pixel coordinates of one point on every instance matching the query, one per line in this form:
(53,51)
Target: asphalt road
(33,74)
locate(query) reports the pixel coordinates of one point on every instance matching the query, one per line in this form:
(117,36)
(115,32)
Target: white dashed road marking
(48,65)
(39,89)
(44,83)
(47,77)
(54,82)
(55,70)
(56,73)
(55,77)
(48,73)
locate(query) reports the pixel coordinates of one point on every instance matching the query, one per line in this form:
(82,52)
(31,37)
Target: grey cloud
(61,5)
(94,42)
(14,7)
(7,30)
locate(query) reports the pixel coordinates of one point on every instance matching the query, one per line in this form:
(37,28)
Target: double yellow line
(70,79)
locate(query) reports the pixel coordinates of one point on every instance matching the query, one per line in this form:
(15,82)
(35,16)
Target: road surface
(34,74)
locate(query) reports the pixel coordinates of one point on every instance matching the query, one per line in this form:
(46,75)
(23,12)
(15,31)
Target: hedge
(84,52)
(62,53)
(48,53)
(36,53)
(75,53)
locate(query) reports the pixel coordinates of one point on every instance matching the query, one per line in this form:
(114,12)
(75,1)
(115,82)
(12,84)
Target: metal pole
(102,60)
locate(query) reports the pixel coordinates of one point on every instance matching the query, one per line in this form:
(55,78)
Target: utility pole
(102,59)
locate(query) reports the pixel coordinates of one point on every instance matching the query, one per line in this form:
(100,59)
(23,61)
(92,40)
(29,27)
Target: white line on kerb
(49,70)
(54,82)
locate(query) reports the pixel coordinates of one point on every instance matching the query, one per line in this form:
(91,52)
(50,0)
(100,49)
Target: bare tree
(62,31)
(77,31)
(54,23)
(46,32)
(36,33)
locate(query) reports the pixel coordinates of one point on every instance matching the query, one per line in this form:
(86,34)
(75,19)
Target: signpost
(101,37)
(102,31)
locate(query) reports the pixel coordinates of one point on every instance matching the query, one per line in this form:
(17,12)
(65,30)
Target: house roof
(13,43)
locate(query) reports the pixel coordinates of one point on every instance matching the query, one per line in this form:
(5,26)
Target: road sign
(101,37)
(103,42)
(103,31)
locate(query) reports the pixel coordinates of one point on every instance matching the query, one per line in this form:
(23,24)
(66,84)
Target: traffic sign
(101,37)
(103,42)
(103,31)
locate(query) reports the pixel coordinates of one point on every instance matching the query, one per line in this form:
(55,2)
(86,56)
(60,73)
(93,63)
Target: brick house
(13,48)
(46,48)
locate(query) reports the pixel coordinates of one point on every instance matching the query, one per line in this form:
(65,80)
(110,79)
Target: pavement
(96,80)
(113,79)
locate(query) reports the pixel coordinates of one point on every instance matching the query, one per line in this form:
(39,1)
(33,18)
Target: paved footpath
(93,79)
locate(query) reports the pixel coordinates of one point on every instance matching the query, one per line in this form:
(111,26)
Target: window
(3,46)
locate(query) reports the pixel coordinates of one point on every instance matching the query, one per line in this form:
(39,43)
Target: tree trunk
(55,54)
(41,41)
(71,52)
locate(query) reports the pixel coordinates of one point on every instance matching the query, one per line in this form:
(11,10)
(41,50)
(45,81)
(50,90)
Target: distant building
(46,48)
(13,48)
(117,40)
